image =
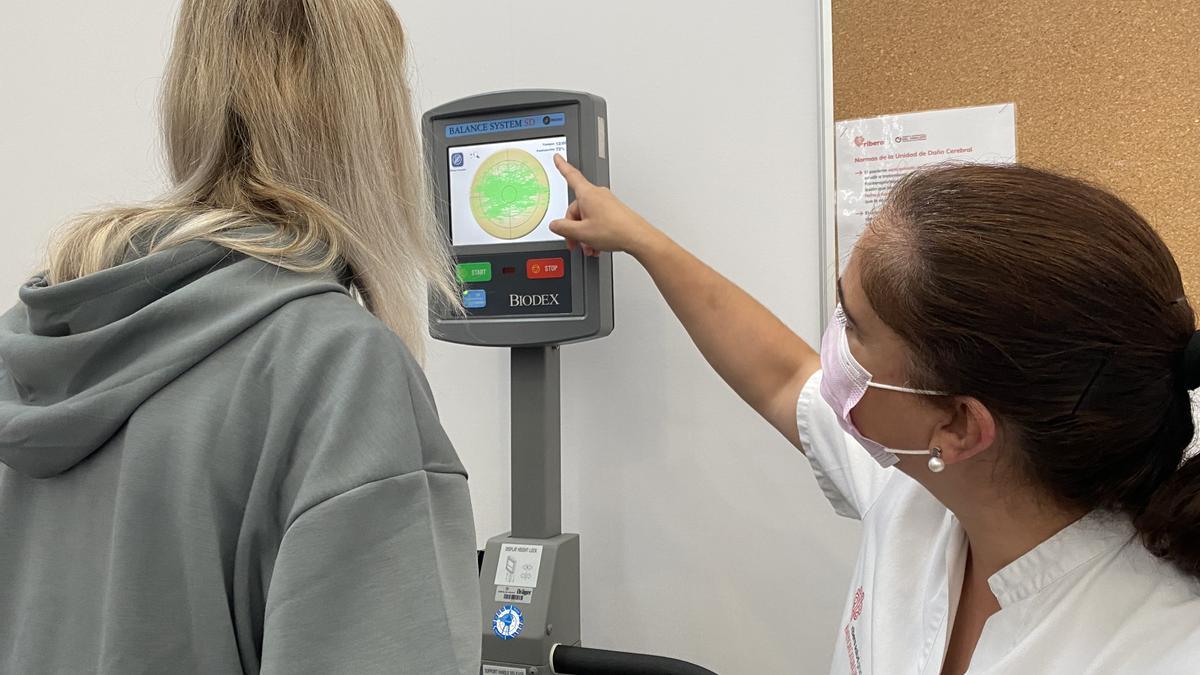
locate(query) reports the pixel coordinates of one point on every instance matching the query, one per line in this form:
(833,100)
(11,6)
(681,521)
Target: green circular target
(510,194)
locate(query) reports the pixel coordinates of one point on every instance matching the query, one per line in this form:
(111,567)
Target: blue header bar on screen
(507,124)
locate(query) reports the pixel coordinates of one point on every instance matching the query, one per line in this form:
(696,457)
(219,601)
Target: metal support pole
(536,443)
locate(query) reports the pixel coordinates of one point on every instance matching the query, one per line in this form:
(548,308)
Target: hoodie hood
(78,358)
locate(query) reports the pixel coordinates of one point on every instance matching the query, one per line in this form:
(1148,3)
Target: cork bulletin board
(1107,90)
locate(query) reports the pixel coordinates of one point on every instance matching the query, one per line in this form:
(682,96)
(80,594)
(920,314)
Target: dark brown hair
(1056,305)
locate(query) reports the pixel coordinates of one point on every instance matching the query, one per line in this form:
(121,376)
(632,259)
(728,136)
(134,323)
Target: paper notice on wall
(874,153)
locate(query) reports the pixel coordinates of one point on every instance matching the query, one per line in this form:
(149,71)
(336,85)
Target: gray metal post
(536,443)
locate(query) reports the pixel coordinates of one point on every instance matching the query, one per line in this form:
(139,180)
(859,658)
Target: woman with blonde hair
(218,452)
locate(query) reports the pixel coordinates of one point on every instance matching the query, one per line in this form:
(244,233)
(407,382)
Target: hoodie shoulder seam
(370,483)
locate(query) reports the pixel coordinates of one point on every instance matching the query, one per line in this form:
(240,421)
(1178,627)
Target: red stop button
(544,268)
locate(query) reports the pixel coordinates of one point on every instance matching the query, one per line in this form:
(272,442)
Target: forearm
(758,356)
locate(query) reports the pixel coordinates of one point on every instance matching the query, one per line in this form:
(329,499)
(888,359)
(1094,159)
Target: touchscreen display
(506,192)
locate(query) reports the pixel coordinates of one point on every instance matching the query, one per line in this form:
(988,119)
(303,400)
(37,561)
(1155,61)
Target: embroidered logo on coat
(852,655)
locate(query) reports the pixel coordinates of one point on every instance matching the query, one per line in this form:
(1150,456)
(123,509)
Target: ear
(969,430)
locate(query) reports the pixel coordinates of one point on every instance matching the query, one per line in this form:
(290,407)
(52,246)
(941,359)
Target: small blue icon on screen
(456,160)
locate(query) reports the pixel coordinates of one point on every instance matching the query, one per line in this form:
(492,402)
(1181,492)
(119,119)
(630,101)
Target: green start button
(474,272)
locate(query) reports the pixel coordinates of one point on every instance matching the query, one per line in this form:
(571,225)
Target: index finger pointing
(575,179)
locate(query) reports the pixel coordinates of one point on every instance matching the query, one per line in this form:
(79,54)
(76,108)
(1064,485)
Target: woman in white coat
(1002,397)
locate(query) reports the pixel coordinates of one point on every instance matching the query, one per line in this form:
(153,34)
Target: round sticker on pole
(508,622)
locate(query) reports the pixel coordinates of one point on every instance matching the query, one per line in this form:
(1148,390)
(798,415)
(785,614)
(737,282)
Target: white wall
(78,82)
(704,534)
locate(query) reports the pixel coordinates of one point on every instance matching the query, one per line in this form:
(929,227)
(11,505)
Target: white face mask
(844,382)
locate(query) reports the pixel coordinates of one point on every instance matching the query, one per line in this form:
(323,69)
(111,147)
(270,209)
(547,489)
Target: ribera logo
(543,300)
(861,142)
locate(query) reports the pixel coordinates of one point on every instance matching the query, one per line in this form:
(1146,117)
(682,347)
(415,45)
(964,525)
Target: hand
(598,221)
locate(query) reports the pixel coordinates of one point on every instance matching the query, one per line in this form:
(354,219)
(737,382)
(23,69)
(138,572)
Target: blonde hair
(294,114)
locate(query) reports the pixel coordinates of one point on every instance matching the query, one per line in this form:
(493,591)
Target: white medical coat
(1091,599)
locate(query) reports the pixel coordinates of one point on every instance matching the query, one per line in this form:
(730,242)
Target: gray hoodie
(209,464)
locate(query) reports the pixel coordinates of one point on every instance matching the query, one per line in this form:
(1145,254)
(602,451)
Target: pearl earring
(936,464)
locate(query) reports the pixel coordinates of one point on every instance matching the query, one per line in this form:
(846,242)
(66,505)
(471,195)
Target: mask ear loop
(936,463)
(907,390)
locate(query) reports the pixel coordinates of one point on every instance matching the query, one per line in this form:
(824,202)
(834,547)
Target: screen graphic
(506,192)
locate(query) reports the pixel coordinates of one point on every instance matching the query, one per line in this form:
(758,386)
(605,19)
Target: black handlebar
(584,661)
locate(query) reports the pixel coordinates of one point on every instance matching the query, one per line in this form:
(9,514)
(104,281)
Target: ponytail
(1169,521)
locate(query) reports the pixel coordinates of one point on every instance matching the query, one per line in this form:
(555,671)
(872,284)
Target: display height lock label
(519,565)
